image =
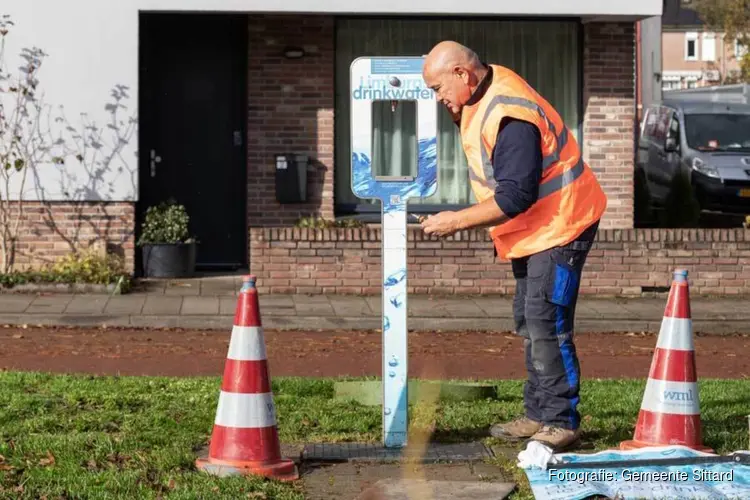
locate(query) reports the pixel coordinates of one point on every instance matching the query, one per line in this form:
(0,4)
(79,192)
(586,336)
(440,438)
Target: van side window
(649,126)
(674,128)
(662,125)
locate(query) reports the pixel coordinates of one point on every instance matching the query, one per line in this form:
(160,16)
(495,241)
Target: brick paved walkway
(210,303)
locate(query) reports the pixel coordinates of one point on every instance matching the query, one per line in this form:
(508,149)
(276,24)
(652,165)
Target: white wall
(92,46)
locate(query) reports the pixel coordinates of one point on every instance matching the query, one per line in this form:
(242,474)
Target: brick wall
(291,104)
(609,114)
(290,110)
(623,262)
(50,230)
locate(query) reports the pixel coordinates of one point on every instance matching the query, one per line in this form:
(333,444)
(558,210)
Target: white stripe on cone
(245,410)
(677,398)
(676,334)
(247,344)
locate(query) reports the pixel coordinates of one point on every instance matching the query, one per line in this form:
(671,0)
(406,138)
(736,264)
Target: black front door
(193,114)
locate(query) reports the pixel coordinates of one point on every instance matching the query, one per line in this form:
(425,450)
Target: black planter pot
(169,260)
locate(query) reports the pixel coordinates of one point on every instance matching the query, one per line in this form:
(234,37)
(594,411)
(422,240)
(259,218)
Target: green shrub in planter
(168,250)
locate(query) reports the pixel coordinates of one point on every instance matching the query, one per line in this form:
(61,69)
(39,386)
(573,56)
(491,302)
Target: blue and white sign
(393,79)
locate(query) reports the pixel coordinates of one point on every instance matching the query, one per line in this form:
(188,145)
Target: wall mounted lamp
(294,52)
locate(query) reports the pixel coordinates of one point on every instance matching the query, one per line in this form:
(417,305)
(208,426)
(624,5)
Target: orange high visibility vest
(570,198)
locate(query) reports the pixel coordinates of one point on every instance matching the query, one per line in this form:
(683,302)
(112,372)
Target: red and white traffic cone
(245,438)
(670,411)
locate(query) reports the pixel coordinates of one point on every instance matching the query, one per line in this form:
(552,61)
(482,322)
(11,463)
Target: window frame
(706,37)
(691,36)
(372,213)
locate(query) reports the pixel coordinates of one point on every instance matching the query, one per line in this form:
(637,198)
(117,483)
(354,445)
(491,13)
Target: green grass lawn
(110,437)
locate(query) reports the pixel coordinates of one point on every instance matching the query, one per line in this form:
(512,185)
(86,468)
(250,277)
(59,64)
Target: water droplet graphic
(387,411)
(393,361)
(392,373)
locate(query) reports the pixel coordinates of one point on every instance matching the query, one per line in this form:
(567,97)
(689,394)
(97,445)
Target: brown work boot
(519,428)
(557,438)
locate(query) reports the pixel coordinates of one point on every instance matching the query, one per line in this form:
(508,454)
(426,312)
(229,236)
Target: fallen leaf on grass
(50,460)
(171,484)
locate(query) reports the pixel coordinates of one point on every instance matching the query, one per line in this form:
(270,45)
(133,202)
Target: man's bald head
(453,71)
(447,55)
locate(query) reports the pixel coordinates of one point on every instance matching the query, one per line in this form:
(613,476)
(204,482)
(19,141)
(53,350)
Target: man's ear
(461,73)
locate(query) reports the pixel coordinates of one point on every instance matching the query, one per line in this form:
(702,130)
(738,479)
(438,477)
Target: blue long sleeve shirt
(517,166)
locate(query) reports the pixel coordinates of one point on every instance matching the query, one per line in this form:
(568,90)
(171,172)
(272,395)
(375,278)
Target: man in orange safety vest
(542,205)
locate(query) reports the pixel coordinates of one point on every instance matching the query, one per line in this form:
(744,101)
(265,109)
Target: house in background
(692,55)
(221,88)
(648,58)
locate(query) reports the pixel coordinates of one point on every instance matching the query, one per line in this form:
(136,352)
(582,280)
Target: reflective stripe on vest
(549,187)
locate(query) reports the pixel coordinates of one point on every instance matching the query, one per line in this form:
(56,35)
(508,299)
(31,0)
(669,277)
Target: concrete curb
(714,326)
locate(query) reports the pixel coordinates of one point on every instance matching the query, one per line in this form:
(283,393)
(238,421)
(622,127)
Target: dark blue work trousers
(544,305)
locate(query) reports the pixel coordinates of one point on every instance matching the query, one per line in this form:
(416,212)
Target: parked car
(707,141)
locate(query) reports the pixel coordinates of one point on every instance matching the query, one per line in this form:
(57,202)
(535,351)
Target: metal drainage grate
(364,452)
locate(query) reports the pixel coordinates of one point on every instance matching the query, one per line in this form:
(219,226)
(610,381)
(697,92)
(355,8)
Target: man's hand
(483,214)
(442,224)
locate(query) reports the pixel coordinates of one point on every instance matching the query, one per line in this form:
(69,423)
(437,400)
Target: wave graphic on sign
(364,183)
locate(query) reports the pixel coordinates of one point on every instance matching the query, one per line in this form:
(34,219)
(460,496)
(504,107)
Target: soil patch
(341,353)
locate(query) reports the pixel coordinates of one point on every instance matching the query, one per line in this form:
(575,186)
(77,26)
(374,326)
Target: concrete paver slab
(87,304)
(410,489)
(348,481)
(273,301)
(642,309)
(160,305)
(314,309)
(278,311)
(463,309)
(716,309)
(376,303)
(221,291)
(182,291)
(125,304)
(51,304)
(350,306)
(15,303)
(228,306)
(426,306)
(204,306)
(604,308)
(494,306)
(310,299)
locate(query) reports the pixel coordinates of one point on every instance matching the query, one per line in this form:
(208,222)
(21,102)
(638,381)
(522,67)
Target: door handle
(154,160)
